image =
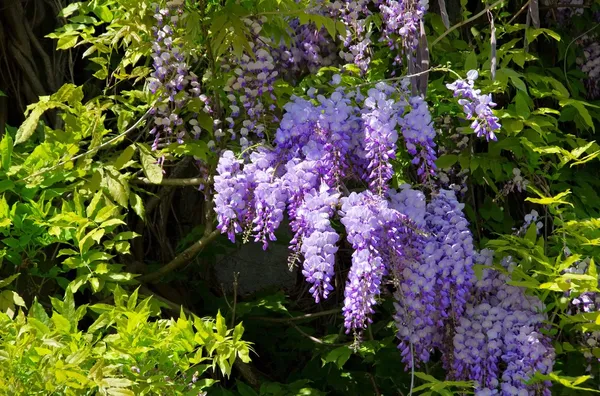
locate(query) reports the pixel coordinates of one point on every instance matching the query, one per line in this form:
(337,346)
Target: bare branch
(183,258)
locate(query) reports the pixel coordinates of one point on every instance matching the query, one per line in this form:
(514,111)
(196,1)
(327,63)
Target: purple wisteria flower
(319,241)
(477,106)
(498,343)
(171,78)
(435,275)
(418,132)
(380,119)
(232,195)
(402,18)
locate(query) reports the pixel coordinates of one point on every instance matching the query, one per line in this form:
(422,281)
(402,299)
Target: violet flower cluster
(435,277)
(356,42)
(499,342)
(585,303)
(418,132)
(477,106)
(319,147)
(590,65)
(402,18)
(311,49)
(171,78)
(250,89)
(422,247)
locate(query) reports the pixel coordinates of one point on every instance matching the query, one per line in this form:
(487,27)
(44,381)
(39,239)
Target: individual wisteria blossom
(171,78)
(499,342)
(477,106)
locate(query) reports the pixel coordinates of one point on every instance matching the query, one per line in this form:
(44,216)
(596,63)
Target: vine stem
(296,318)
(567,51)
(196,181)
(431,69)
(181,259)
(412,368)
(453,28)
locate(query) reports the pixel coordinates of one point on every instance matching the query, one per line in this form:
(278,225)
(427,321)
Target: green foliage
(125,351)
(78,174)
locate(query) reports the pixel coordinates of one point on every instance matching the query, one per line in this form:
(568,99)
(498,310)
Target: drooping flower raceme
(380,119)
(498,343)
(171,78)
(319,146)
(233,195)
(436,278)
(418,132)
(477,106)
(325,146)
(402,18)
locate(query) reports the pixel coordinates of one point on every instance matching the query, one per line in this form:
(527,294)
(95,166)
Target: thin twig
(235,286)
(181,259)
(195,181)
(518,13)
(314,339)
(453,28)
(567,52)
(412,368)
(296,318)
(375,388)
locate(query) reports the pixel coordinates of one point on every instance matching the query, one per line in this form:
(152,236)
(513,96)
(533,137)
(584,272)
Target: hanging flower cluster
(402,18)
(585,303)
(477,106)
(171,78)
(499,342)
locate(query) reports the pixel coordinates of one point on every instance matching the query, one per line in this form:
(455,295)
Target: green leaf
(124,157)
(136,202)
(245,390)
(28,127)
(67,41)
(551,200)
(521,105)
(7,281)
(471,61)
(446,161)
(117,188)
(339,356)
(151,169)
(6,148)
(583,112)
(221,325)
(104,13)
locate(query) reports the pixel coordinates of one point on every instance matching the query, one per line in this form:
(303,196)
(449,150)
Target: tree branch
(453,28)
(181,259)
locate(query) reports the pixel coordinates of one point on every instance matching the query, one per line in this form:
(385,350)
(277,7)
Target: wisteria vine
(329,169)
